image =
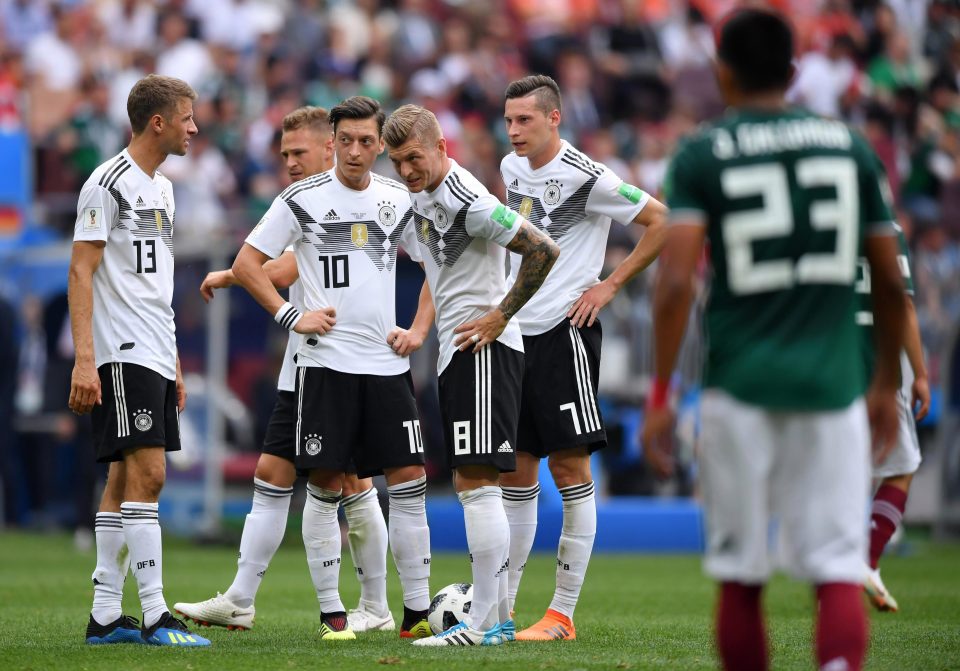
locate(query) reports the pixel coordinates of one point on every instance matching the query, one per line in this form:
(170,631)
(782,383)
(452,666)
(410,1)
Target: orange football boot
(553,626)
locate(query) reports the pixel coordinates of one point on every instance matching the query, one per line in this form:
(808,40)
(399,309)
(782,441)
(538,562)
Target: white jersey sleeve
(614,198)
(97,213)
(277,231)
(489,218)
(408,240)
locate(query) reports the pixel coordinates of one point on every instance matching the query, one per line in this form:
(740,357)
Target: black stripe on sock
(520,493)
(408,493)
(347,501)
(275,492)
(577,492)
(325,499)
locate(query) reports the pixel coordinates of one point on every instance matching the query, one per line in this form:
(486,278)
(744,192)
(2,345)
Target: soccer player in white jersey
(355,404)
(127,372)
(573,200)
(306,146)
(462,231)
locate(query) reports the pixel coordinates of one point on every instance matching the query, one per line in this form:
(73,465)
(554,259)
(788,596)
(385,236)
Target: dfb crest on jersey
(442,219)
(387,215)
(143,421)
(551,195)
(526,206)
(313,444)
(358,233)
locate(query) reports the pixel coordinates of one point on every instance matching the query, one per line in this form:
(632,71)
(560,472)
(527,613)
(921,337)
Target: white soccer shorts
(905,456)
(784,490)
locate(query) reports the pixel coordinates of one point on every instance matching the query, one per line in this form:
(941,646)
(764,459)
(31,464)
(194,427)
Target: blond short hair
(155,94)
(411,122)
(308,116)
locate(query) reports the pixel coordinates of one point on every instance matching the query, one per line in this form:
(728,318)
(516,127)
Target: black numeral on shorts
(413,434)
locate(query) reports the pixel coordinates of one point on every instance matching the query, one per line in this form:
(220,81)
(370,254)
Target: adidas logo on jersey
(331,216)
(140,202)
(505,447)
(514,185)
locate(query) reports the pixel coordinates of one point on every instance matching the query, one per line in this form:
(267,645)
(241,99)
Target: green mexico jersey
(864,316)
(787,198)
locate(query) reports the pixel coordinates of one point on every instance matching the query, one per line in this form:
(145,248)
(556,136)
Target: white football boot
(461,634)
(877,592)
(219,612)
(360,619)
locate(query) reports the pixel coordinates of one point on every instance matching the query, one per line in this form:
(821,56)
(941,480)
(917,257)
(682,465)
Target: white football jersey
(133,286)
(288,371)
(462,230)
(572,199)
(346,244)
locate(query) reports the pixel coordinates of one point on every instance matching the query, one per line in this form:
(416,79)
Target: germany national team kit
(133,331)
(462,231)
(354,394)
(573,200)
(787,199)
(280,440)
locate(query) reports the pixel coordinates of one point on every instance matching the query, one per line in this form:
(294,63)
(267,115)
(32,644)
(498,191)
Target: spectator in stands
(23,21)
(181,56)
(825,81)
(627,51)
(131,24)
(90,137)
(893,69)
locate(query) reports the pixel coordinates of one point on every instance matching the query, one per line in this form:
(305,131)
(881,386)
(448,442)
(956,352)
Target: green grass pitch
(637,612)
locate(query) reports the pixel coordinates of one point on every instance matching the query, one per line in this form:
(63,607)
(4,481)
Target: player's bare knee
(275,471)
(901,482)
(570,467)
(354,485)
(150,480)
(397,476)
(146,470)
(526,475)
(326,479)
(473,476)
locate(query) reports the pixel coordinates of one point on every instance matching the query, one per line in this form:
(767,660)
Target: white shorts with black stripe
(559,408)
(905,457)
(139,409)
(480,405)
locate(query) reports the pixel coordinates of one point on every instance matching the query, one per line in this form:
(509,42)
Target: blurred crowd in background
(635,75)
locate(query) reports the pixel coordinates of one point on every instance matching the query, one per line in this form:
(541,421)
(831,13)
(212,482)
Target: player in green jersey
(894,475)
(787,202)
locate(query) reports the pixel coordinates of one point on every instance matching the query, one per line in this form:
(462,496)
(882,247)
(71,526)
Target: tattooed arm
(538,253)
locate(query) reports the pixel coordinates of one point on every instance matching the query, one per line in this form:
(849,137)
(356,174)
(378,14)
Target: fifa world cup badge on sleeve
(504,216)
(630,192)
(92,216)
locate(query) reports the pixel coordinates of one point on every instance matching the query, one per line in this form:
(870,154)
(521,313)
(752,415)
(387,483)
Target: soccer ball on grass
(450,606)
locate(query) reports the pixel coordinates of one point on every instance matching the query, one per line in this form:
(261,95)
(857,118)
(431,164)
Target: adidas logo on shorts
(505,447)
(331,216)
